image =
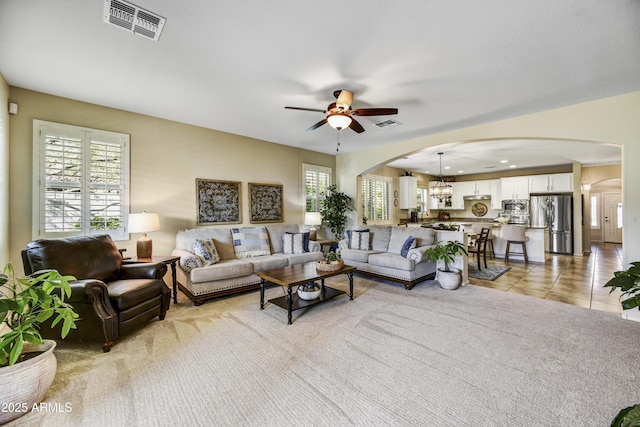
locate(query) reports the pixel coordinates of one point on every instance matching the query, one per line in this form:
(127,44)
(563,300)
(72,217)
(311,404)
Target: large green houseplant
(334,210)
(27,362)
(628,281)
(449,278)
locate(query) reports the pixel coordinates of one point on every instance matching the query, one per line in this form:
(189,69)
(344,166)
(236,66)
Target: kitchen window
(81,181)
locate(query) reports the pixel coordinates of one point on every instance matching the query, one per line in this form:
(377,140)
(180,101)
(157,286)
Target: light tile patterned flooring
(569,279)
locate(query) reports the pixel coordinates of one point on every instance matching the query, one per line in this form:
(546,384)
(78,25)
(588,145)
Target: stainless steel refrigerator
(556,212)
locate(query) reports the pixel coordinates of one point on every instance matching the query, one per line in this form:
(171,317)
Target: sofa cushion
(225,269)
(206,250)
(359,240)
(276,231)
(380,235)
(392,260)
(424,236)
(130,292)
(295,259)
(250,241)
(399,235)
(356,255)
(267,262)
(221,237)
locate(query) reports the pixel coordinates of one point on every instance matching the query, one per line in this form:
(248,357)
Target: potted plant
(27,363)
(628,417)
(334,209)
(449,278)
(628,281)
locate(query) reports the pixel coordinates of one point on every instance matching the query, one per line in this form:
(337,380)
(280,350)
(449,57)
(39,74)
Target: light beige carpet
(425,357)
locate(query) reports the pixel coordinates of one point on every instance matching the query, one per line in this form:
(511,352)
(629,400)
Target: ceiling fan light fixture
(339,121)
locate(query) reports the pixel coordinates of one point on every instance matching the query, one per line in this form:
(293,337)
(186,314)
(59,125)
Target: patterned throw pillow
(250,241)
(293,243)
(305,240)
(188,263)
(206,250)
(360,240)
(409,244)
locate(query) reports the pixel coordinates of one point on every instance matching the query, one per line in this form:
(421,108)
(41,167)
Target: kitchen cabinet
(516,187)
(408,192)
(552,183)
(457,199)
(496,200)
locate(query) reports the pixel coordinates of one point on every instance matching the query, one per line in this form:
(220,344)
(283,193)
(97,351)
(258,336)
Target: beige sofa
(232,274)
(383,257)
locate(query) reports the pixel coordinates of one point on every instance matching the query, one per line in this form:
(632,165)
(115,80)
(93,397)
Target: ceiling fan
(340,116)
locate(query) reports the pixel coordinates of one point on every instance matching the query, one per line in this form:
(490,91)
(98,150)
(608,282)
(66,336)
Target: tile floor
(565,278)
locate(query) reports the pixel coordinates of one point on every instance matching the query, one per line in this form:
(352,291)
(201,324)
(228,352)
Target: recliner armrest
(146,270)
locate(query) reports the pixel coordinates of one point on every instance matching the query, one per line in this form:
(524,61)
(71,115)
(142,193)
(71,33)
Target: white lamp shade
(339,121)
(312,218)
(143,222)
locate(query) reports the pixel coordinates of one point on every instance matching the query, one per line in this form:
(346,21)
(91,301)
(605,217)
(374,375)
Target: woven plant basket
(335,266)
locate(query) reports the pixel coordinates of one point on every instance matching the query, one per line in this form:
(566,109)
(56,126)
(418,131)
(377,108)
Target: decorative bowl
(309,291)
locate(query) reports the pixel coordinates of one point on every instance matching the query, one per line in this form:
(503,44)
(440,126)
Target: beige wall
(166,158)
(4,172)
(611,120)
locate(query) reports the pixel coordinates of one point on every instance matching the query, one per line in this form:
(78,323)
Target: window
(423,200)
(595,211)
(316,181)
(81,181)
(376,199)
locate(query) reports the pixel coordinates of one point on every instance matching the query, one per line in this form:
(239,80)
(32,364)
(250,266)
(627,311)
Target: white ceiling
(234,65)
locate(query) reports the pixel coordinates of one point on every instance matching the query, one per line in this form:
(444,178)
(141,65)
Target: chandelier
(441,191)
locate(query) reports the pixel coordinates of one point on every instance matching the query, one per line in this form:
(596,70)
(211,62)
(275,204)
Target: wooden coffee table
(294,275)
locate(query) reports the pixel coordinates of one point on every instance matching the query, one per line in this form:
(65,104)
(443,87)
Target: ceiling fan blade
(306,109)
(374,111)
(344,99)
(356,126)
(317,125)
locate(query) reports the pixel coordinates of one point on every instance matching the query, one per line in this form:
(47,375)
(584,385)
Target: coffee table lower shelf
(297,303)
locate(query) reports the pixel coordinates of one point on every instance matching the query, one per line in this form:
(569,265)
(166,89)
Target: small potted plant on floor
(27,363)
(449,278)
(628,281)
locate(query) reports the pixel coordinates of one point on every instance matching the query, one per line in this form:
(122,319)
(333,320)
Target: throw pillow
(206,249)
(250,241)
(305,239)
(293,243)
(350,234)
(409,244)
(188,263)
(359,240)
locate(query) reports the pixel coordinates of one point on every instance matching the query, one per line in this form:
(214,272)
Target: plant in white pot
(448,277)
(628,281)
(27,363)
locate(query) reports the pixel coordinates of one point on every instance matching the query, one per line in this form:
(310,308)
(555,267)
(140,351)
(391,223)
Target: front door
(612,205)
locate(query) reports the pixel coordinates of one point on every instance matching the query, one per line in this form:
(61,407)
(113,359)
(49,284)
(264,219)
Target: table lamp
(143,223)
(312,218)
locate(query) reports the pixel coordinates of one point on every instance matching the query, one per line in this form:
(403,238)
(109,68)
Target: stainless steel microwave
(517,206)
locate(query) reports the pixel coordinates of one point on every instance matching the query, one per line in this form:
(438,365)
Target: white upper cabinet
(408,192)
(516,187)
(496,201)
(553,183)
(457,199)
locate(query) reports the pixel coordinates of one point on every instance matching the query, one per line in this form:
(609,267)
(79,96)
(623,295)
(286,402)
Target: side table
(166,259)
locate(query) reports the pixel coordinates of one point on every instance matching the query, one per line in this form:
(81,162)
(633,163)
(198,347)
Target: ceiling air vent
(387,124)
(132,18)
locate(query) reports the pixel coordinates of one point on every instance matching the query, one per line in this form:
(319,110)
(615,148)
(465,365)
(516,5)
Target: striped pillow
(250,241)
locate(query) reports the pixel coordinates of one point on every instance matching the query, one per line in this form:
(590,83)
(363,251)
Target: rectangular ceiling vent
(387,124)
(133,18)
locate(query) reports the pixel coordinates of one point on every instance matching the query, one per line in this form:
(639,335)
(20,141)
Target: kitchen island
(537,244)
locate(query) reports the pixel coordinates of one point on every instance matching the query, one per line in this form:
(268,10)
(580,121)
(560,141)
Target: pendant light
(441,190)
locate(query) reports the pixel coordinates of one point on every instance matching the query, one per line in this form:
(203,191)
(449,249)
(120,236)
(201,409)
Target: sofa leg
(162,316)
(106,347)
(408,286)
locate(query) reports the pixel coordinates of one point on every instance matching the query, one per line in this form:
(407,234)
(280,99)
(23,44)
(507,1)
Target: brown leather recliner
(111,298)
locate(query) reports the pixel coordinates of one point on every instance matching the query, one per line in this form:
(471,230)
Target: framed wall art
(218,201)
(265,203)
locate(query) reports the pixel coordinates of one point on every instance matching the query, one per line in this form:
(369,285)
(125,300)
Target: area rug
(492,272)
(391,357)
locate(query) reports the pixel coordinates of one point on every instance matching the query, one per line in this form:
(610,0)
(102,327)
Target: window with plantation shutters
(81,181)
(376,199)
(316,181)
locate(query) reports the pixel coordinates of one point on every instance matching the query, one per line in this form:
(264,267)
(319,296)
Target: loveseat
(217,261)
(110,297)
(397,253)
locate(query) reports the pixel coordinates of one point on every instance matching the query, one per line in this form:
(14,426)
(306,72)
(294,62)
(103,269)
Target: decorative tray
(333,266)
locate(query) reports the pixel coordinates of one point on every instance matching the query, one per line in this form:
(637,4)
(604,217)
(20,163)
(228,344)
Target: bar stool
(477,227)
(514,234)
